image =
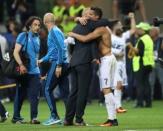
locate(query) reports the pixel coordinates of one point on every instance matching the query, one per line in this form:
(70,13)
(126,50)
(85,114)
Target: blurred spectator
(3,113)
(44,67)
(123,7)
(12,31)
(3,80)
(7,5)
(3,46)
(3,49)
(143,61)
(130,88)
(74,11)
(13,28)
(24,9)
(157,72)
(58,11)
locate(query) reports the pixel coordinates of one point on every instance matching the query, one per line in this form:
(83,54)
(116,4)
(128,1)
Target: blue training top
(33,47)
(57,50)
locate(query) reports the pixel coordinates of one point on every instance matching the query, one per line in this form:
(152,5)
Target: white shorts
(121,73)
(107,71)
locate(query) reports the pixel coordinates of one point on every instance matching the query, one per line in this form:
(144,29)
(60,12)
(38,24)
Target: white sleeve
(69,40)
(126,35)
(3,45)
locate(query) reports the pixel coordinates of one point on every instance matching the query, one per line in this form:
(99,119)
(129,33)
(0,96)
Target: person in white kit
(119,39)
(107,69)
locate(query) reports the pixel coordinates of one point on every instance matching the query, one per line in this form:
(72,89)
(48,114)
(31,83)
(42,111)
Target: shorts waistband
(106,57)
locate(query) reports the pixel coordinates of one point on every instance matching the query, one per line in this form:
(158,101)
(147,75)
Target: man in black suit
(82,57)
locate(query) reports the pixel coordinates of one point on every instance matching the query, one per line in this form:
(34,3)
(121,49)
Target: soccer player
(119,39)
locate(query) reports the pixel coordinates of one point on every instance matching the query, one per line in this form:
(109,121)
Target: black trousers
(27,86)
(80,81)
(143,87)
(2,110)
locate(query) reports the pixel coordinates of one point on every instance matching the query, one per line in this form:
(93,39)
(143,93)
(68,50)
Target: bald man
(157,71)
(57,57)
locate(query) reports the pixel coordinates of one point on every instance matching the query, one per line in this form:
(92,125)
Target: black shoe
(34,121)
(18,121)
(80,123)
(148,106)
(67,123)
(107,123)
(110,123)
(4,118)
(115,122)
(138,106)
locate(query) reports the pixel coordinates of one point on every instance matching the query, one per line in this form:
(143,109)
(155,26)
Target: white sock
(110,106)
(118,97)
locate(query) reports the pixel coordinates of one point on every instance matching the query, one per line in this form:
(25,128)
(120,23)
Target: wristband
(20,64)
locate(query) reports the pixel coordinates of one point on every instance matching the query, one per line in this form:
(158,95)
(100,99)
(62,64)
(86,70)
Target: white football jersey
(119,44)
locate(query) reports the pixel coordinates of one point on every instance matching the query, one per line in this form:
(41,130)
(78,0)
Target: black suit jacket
(85,52)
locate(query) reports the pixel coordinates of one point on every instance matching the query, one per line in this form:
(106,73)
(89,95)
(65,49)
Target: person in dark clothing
(157,72)
(82,56)
(3,113)
(127,6)
(143,61)
(3,47)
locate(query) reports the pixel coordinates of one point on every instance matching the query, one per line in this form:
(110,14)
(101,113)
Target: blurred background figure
(157,72)
(75,10)
(143,62)
(23,9)
(13,28)
(121,8)
(3,113)
(59,11)
(6,94)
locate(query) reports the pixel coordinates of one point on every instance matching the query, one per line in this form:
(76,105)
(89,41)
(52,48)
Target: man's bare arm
(115,9)
(142,10)
(16,53)
(86,38)
(17,49)
(133,23)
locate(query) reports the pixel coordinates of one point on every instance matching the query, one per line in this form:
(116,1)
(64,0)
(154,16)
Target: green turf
(135,119)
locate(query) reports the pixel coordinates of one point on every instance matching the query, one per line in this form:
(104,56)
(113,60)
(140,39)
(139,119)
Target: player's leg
(106,84)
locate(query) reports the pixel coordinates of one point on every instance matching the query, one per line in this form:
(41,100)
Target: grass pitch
(140,119)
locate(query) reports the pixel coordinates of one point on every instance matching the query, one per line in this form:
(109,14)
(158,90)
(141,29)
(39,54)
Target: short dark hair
(98,11)
(113,23)
(30,21)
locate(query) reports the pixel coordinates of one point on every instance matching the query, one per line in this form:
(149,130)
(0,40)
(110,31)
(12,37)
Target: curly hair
(30,21)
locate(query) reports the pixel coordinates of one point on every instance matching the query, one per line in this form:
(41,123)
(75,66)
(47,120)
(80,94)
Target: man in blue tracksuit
(57,56)
(29,82)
